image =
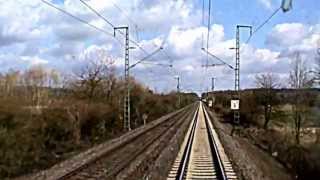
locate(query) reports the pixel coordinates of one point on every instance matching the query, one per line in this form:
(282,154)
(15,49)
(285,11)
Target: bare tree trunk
(297,119)
(138,117)
(266,117)
(318,136)
(299,128)
(299,80)
(74,116)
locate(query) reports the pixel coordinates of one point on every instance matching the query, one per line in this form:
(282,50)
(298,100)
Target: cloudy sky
(33,33)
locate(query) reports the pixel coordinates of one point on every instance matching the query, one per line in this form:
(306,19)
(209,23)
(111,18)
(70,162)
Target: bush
(65,121)
(305,162)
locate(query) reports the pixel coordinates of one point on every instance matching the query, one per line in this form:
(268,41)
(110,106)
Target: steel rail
(75,164)
(186,154)
(149,143)
(79,169)
(214,149)
(217,161)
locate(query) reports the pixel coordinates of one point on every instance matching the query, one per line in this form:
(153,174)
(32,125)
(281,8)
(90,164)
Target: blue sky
(229,13)
(32,33)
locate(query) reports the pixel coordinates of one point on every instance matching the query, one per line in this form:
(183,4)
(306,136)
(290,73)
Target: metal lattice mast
(237,76)
(212,84)
(127,79)
(178,87)
(126,110)
(178,90)
(237,71)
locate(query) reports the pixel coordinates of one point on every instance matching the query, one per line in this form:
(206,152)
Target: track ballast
(201,155)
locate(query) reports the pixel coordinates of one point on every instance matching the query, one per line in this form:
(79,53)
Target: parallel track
(201,155)
(122,157)
(110,166)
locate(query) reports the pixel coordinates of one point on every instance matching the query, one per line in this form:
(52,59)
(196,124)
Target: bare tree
(53,78)
(317,69)
(267,82)
(96,77)
(9,82)
(76,114)
(35,80)
(299,79)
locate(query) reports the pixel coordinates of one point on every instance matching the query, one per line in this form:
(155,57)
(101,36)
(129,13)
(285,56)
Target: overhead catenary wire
(167,56)
(262,24)
(145,61)
(164,52)
(208,39)
(218,58)
(77,18)
(124,13)
(93,26)
(202,42)
(157,64)
(208,31)
(100,29)
(152,76)
(101,16)
(170,65)
(145,58)
(97,13)
(202,23)
(130,20)
(120,32)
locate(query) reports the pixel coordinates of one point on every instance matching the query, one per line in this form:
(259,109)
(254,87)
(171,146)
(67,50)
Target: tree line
(282,117)
(46,115)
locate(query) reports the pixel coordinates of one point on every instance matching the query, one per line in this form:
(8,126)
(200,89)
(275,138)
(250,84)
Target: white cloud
(266,55)
(188,41)
(38,34)
(290,38)
(287,34)
(19,21)
(184,40)
(32,61)
(188,68)
(266,3)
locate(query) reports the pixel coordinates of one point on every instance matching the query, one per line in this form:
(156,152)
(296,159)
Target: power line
(157,64)
(164,52)
(209,23)
(77,18)
(263,23)
(202,23)
(208,37)
(167,56)
(105,19)
(145,58)
(221,60)
(124,13)
(119,31)
(97,13)
(136,27)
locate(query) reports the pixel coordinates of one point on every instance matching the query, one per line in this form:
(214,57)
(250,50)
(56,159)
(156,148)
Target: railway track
(116,162)
(201,155)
